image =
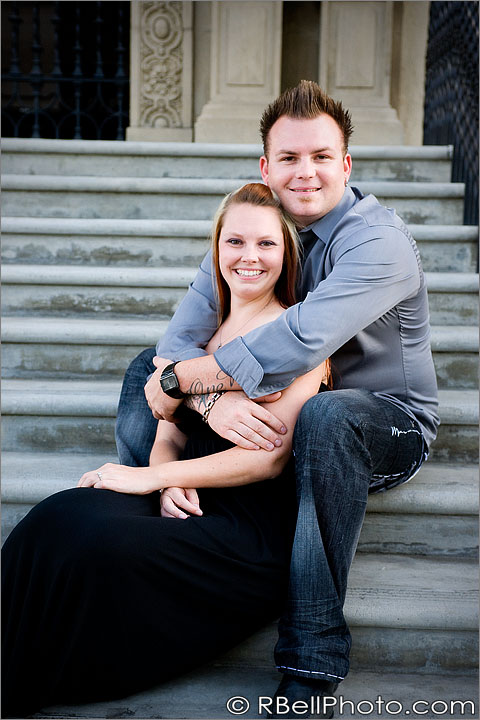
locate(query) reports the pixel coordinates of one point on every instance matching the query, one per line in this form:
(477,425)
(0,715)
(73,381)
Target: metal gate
(65,69)
(451,93)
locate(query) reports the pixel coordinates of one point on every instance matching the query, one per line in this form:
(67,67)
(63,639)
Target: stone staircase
(100,240)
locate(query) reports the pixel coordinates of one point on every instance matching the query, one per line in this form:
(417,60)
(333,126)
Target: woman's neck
(242,308)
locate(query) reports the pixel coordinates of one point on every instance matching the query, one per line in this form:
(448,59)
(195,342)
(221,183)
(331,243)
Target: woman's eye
(267,243)
(234,241)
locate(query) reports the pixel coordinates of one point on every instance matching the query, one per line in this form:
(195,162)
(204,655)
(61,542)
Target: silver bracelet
(210,405)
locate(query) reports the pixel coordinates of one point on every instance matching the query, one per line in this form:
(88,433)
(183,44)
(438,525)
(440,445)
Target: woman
(106,593)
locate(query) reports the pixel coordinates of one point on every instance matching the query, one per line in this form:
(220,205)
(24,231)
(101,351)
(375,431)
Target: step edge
(75,331)
(129,147)
(206,186)
(24,274)
(16,225)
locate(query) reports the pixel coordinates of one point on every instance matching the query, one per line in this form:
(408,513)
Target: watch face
(170,382)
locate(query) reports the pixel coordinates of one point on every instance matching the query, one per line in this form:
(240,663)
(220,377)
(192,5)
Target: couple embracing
(295,378)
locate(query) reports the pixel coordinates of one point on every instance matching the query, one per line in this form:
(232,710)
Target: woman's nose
(250,254)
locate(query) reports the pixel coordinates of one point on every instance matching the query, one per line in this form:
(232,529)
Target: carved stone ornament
(161,35)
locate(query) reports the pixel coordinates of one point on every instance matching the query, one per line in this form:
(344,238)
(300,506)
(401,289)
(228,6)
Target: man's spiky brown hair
(307,101)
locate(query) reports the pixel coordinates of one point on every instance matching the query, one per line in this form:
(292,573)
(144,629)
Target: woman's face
(251,249)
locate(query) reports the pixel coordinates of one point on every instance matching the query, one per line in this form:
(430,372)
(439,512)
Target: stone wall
(204,71)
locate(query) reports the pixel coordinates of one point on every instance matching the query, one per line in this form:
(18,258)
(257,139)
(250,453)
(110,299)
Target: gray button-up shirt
(364,305)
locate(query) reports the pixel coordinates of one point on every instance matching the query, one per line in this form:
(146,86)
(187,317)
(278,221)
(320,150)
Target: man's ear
(347,165)
(264,169)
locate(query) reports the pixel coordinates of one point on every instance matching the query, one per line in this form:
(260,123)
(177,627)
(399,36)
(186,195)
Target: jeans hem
(301,673)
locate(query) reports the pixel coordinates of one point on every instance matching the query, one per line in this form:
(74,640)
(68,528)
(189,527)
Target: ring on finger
(99,475)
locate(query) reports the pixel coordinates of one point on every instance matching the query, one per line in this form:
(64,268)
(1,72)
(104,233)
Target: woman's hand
(121,478)
(173,499)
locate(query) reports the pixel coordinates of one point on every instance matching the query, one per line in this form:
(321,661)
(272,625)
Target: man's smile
(304,190)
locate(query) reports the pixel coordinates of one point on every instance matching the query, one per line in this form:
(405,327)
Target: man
(364,305)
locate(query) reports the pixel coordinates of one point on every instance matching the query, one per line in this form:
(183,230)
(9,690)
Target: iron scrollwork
(451,94)
(66,69)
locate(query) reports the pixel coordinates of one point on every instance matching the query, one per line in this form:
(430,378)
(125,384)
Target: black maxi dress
(102,597)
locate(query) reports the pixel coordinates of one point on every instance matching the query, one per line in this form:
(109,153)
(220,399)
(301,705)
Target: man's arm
(366,281)
(234,416)
(231,467)
(195,319)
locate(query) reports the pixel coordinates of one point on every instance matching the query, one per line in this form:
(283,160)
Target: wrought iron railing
(65,69)
(451,93)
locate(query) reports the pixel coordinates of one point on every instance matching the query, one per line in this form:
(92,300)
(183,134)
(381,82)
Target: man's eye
(287,158)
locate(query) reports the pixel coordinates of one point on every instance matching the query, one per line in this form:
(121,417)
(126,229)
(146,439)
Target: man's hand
(162,406)
(242,421)
(174,501)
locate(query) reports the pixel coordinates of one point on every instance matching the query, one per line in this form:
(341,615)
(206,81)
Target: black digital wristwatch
(170,384)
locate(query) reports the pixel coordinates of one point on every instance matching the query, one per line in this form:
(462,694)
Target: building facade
(203,71)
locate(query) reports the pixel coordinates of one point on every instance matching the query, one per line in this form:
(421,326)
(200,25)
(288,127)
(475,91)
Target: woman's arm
(174,502)
(235,466)
(238,466)
(168,444)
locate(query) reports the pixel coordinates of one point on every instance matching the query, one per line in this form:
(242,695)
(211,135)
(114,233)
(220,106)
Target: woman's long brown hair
(260,195)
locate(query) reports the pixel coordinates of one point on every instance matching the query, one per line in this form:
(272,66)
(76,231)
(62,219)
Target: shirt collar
(323,228)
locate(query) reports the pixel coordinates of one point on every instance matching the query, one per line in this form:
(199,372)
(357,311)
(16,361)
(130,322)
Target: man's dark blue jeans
(136,427)
(347,444)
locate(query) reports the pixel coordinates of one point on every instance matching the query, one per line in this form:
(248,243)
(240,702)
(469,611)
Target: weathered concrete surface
(204,693)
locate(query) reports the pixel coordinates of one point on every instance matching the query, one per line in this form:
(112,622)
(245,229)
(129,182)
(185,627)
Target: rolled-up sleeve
(371,273)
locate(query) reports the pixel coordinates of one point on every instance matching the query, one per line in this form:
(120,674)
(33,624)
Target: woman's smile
(251,250)
(248,273)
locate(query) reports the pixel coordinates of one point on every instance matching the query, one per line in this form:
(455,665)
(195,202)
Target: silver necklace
(245,323)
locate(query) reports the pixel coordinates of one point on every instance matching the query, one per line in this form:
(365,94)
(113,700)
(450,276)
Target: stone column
(161,71)
(355,66)
(244,71)
(411,21)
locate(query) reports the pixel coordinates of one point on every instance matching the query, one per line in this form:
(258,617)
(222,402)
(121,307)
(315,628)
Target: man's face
(305,166)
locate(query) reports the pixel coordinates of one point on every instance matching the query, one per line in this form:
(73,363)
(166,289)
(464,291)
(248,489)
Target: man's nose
(306,168)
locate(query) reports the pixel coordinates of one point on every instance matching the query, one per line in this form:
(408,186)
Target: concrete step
(49,347)
(406,614)
(71,415)
(204,693)
(403,615)
(126,242)
(457,439)
(455,354)
(453,298)
(434,514)
(29,478)
(200,160)
(412,612)
(66,290)
(173,198)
